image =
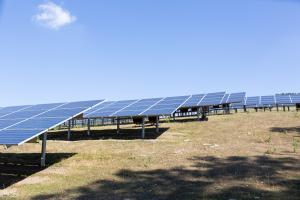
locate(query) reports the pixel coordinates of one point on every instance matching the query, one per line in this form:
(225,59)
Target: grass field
(238,156)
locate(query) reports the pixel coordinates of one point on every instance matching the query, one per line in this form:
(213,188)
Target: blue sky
(118,49)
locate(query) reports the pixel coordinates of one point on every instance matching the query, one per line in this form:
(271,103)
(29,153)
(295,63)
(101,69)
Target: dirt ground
(230,157)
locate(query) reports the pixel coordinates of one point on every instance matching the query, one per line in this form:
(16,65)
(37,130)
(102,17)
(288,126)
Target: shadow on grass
(106,134)
(208,178)
(15,167)
(285,129)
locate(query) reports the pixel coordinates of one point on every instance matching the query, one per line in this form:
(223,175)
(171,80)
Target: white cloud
(53,16)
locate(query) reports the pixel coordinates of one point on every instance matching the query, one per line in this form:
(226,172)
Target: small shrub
(295,144)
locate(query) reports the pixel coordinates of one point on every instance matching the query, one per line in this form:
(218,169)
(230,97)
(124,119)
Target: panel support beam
(43,156)
(143,127)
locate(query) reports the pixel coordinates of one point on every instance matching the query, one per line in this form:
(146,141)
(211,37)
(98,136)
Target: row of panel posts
(284,108)
(201,115)
(44,136)
(118,123)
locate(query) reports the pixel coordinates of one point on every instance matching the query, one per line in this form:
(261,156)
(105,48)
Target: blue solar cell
(22,114)
(267,101)
(236,97)
(225,99)
(62,113)
(15,137)
(167,106)
(138,107)
(99,107)
(111,109)
(38,123)
(193,101)
(252,101)
(212,99)
(81,104)
(295,99)
(156,112)
(24,123)
(11,109)
(8,122)
(283,99)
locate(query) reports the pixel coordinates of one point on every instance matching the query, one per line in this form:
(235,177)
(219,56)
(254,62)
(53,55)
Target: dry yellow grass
(238,156)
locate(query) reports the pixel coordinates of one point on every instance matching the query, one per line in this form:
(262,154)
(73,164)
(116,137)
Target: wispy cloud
(53,16)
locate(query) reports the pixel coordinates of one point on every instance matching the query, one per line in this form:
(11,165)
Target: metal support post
(43,157)
(157,124)
(69,130)
(143,128)
(89,127)
(198,113)
(118,125)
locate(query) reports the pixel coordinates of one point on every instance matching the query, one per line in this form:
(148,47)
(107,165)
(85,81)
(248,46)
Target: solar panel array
(19,124)
(142,107)
(162,106)
(268,101)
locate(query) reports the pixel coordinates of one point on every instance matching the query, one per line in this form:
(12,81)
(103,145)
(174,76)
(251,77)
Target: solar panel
(239,105)
(283,99)
(236,97)
(111,108)
(295,98)
(193,101)
(252,102)
(102,105)
(8,110)
(225,99)
(166,106)
(212,99)
(27,122)
(138,107)
(267,101)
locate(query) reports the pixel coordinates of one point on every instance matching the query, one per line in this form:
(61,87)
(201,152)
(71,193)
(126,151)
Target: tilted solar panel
(193,101)
(25,123)
(138,107)
(111,109)
(99,107)
(295,99)
(252,102)
(268,101)
(212,99)
(225,99)
(236,97)
(167,106)
(283,99)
